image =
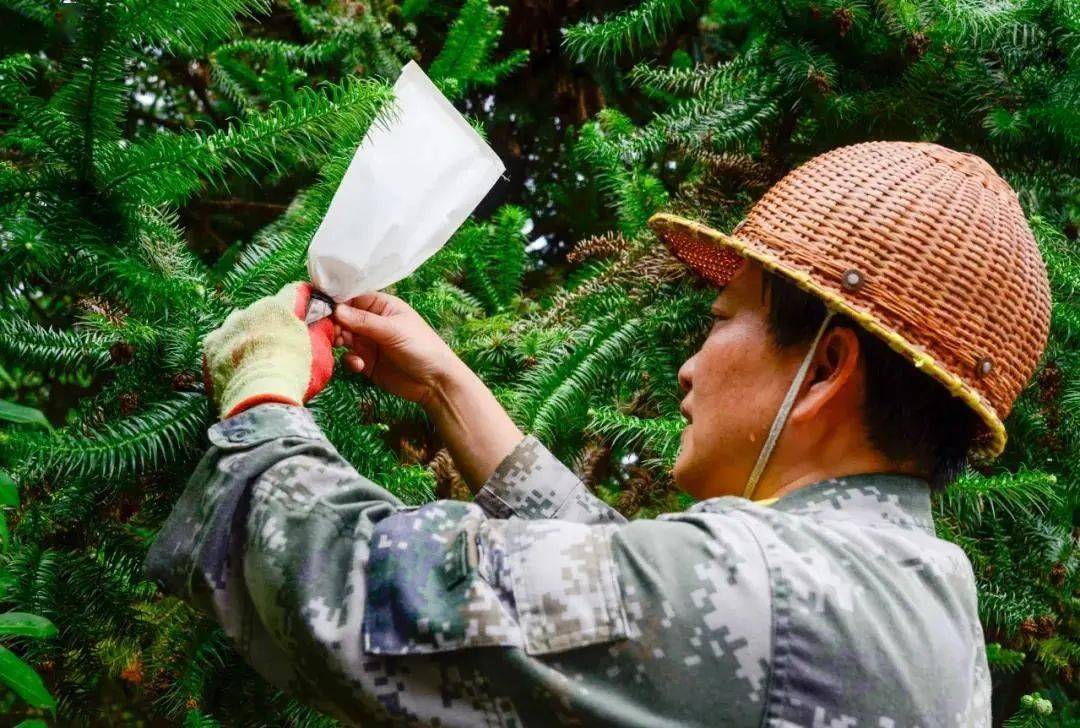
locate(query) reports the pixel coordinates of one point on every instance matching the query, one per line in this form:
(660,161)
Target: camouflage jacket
(540,605)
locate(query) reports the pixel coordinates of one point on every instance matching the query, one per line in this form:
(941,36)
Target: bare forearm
(473,424)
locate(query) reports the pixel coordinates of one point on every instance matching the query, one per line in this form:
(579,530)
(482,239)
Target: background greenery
(163,161)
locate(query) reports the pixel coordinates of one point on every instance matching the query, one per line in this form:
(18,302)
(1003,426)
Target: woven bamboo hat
(923,246)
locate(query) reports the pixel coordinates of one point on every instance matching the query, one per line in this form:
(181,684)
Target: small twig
(199,86)
(234,204)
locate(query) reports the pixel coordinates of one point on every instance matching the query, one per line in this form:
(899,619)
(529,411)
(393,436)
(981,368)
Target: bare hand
(393,346)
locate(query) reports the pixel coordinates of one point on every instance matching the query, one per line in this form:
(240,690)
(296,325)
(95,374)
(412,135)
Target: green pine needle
(629,30)
(52,350)
(171,168)
(123,447)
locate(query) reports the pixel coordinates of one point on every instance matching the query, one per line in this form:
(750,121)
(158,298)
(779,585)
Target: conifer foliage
(164,161)
(136,110)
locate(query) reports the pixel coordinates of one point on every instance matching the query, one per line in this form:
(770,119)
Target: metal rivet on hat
(852,279)
(984,366)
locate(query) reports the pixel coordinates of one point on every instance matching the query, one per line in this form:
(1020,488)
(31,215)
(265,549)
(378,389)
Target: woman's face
(734,386)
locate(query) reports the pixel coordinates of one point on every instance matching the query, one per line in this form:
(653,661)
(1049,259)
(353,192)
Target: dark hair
(907,414)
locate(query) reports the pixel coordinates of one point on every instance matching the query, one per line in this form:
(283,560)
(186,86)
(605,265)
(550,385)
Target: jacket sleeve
(531,482)
(372,611)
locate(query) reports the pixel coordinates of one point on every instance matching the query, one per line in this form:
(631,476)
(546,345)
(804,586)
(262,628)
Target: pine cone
(598,246)
(129,403)
(819,80)
(412,454)
(184,381)
(593,463)
(1029,627)
(1057,574)
(93,304)
(121,353)
(843,20)
(917,45)
(1049,380)
(1047,628)
(450,483)
(149,480)
(1052,440)
(738,168)
(655,268)
(638,488)
(983,438)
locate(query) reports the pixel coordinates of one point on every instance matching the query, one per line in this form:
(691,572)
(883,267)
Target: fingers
(342,337)
(353,362)
(358,321)
(363,354)
(376,302)
(367,350)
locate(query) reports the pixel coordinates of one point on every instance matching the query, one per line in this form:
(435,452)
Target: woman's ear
(831,382)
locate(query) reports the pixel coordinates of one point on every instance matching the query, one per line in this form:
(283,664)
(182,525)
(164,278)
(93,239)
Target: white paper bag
(414,179)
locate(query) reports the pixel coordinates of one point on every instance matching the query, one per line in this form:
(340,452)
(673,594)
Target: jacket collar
(865,498)
(902,500)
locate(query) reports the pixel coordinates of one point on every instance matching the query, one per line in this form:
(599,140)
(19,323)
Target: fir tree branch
(557,390)
(974,497)
(464,58)
(169,168)
(40,11)
(123,447)
(51,350)
(625,31)
(15,71)
(659,435)
(189,24)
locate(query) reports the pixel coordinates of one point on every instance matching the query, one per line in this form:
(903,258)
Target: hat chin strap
(785,410)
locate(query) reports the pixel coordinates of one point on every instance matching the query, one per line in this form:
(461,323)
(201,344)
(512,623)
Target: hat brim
(712,255)
(716,256)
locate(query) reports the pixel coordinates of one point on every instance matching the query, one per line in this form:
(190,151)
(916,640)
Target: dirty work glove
(266,353)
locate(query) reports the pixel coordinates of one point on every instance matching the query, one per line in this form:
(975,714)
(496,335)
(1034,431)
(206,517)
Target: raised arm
(373,611)
(397,350)
(510,473)
(377,613)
